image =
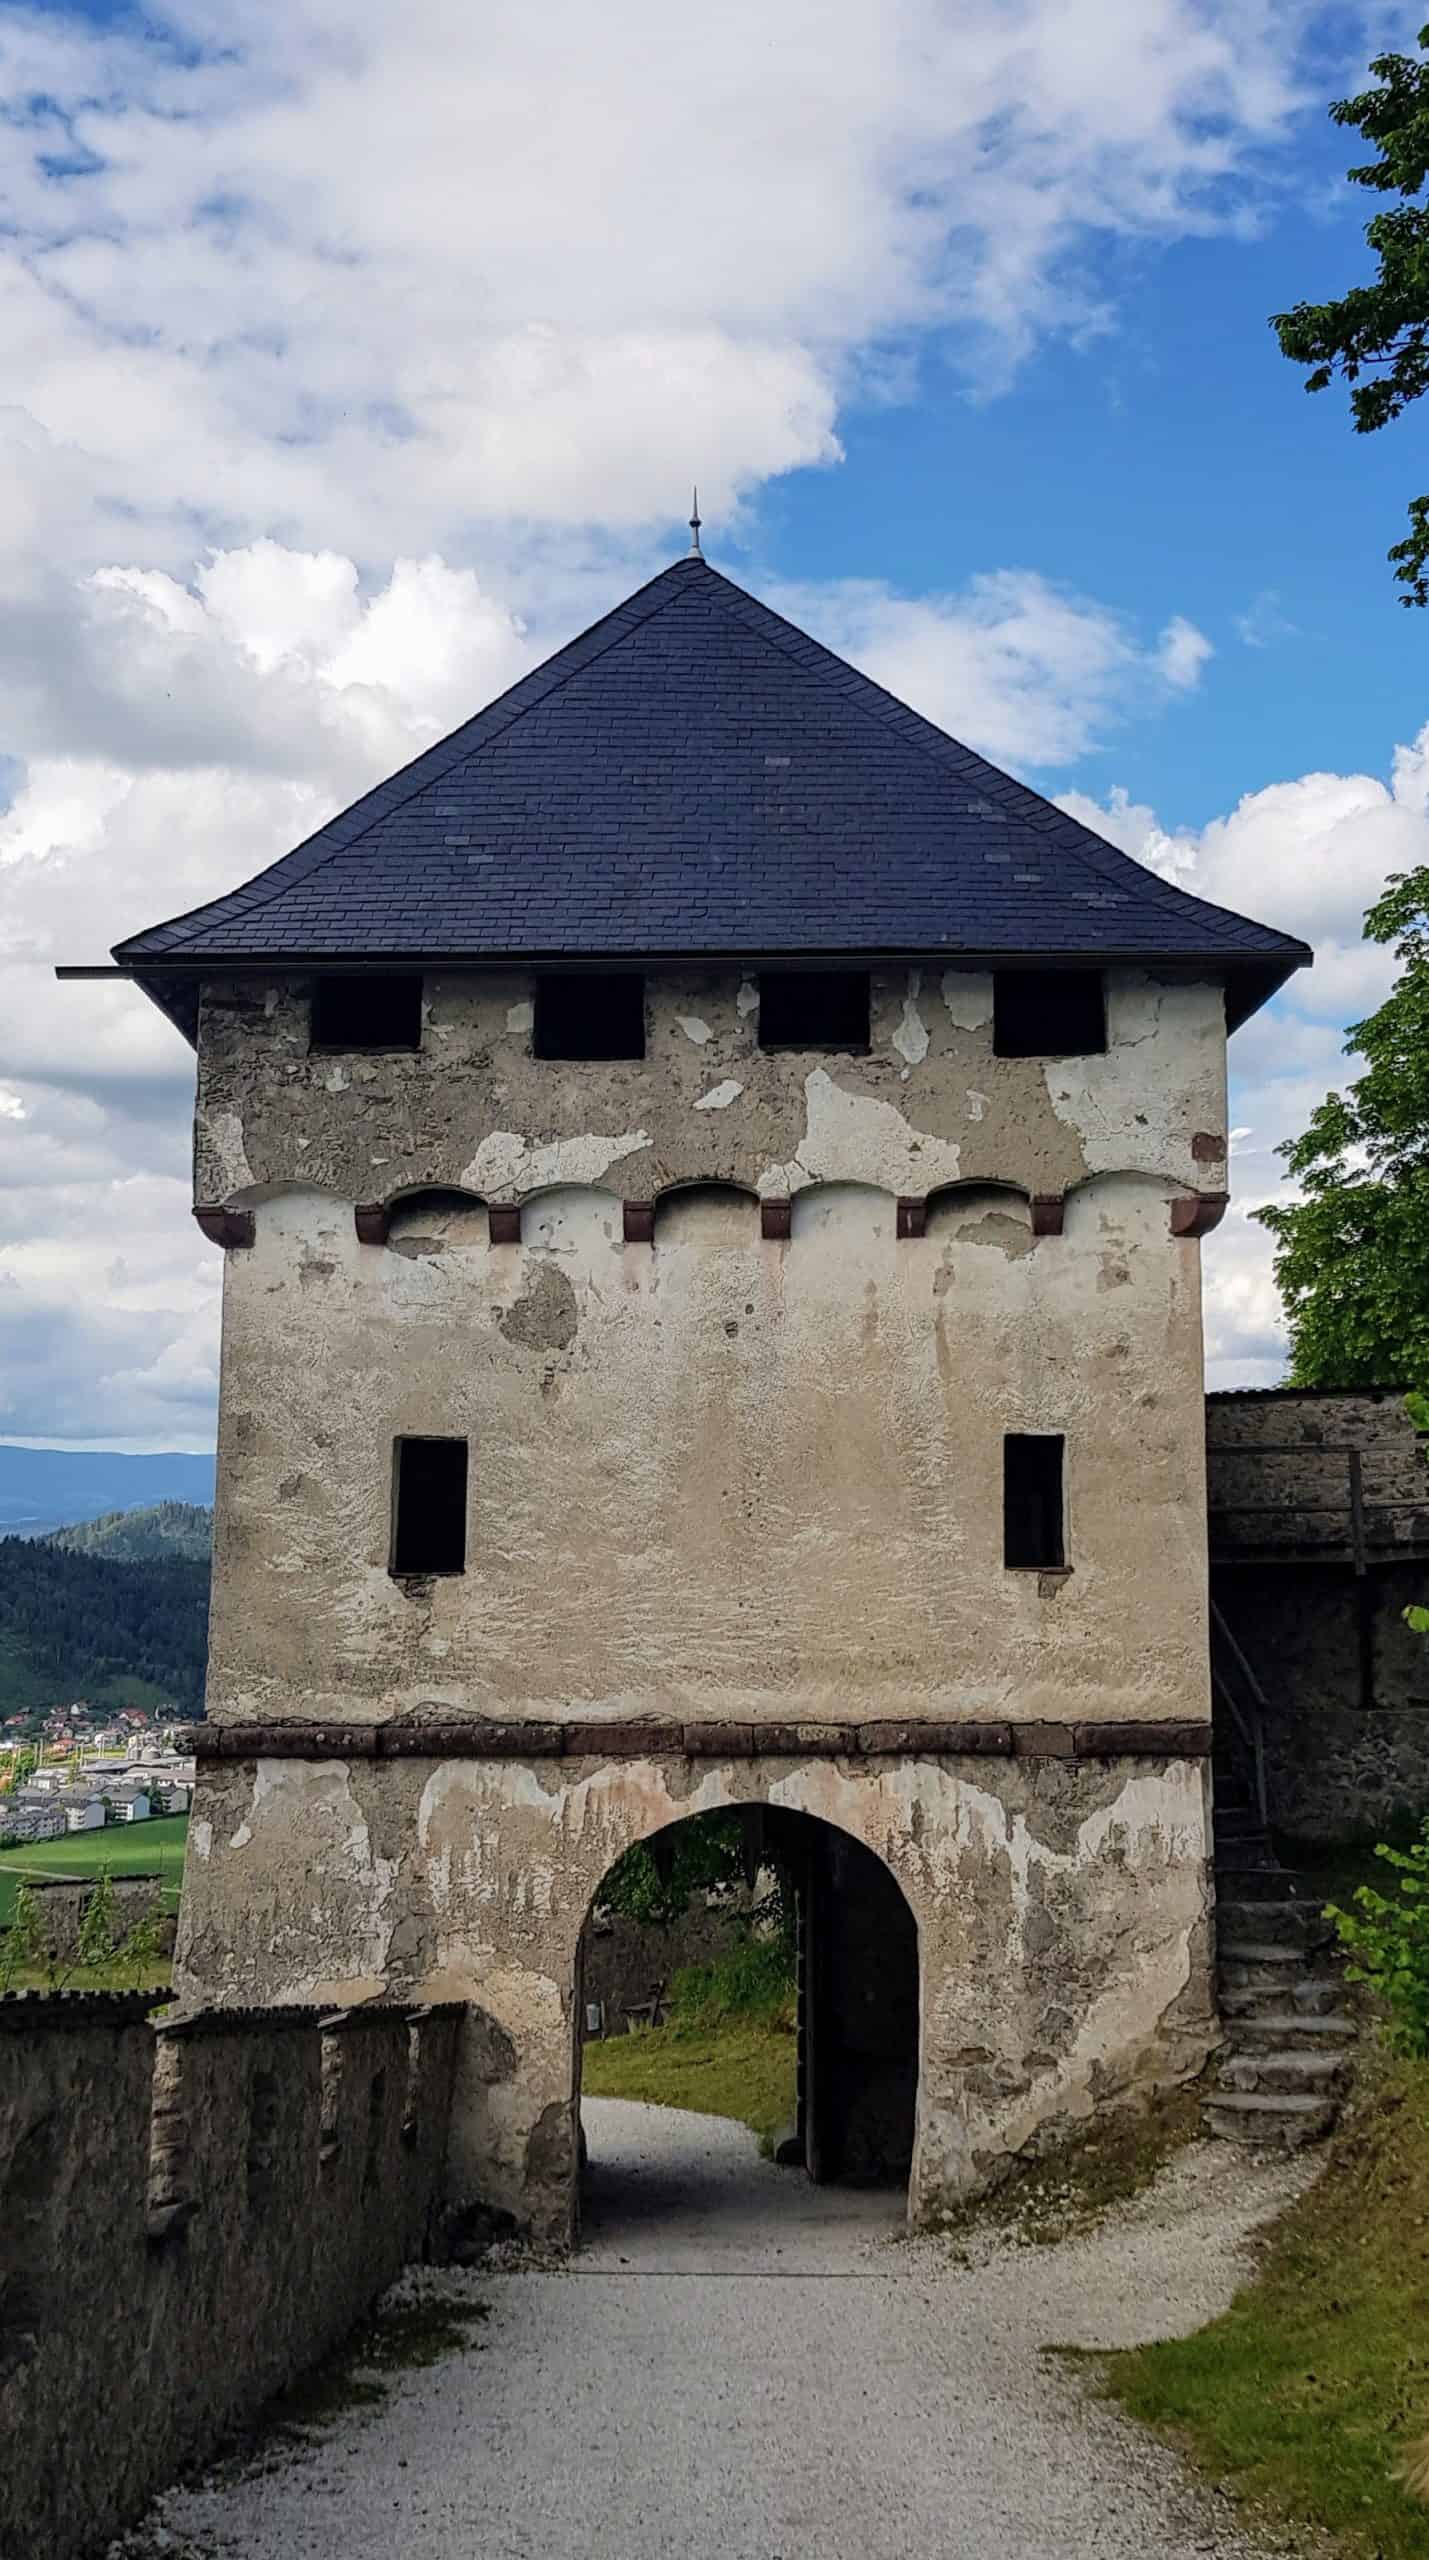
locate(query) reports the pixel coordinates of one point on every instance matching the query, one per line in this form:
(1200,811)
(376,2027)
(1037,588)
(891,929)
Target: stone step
(1247,2116)
(1281,2074)
(1271,1921)
(1288,2030)
(1283,1991)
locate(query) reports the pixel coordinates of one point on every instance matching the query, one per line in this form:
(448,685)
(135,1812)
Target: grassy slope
(1304,2397)
(741,2067)
(124,1848)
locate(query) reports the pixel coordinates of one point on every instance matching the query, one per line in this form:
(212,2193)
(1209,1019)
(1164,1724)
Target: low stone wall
(625,1962)
(191,2214)
(62,1902)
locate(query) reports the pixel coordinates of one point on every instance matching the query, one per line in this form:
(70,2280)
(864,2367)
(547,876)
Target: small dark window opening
(1048,1013)
(813,1009)
(1032,1529)
(367,1012)
(429,1522)
(601,1015)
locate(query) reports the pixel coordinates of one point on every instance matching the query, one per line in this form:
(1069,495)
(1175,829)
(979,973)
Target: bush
(1387,1935)
(755,1980)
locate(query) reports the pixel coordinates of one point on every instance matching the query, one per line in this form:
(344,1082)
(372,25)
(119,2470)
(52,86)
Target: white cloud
(1309,856)
(305,274)
(1013,665)
(414,347)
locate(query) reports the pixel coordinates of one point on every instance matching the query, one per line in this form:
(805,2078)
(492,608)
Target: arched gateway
(711,1175)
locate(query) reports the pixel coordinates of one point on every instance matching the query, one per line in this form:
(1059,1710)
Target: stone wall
(1318,1608)
(190,2215)
(625,1962)
(62,1902)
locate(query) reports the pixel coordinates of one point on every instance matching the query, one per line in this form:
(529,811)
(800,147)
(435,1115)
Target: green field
(139,1848)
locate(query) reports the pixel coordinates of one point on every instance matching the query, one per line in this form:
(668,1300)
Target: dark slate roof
(693,776)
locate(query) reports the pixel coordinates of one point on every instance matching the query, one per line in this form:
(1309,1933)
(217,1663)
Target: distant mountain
(46,1489)
(80,1626)
(137,1537)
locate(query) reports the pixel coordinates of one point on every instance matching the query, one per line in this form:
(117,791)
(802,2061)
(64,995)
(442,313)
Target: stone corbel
(1048,1209)
(639,1216)
(503,1222)
(234,1229)
(912,1217)
(371,1218)
(776,1219)
(1197,1215)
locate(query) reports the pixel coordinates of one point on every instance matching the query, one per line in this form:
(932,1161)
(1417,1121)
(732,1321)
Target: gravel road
(743,2367)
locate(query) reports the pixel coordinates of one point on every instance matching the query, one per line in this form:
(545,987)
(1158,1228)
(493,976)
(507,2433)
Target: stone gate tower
(710,1174)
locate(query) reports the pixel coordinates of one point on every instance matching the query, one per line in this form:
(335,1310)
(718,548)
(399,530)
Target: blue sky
(353,359)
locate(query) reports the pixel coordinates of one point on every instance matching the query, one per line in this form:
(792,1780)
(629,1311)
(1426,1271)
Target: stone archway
(854,2108)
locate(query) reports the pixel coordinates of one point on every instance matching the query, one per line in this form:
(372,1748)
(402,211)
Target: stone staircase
(1289,2039)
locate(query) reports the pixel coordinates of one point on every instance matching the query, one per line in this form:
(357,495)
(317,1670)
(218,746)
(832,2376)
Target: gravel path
(742,2367)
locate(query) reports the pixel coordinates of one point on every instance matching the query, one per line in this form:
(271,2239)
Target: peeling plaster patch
(720,1096)
(221,1134)
(520,1017)
(507,1162)
(852,1137)
(694,1029)
(968,996)
(911,1037)
(747,1000)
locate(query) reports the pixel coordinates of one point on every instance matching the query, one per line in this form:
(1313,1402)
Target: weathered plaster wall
(188,2219)
(1062,1911)
(929,1105)
(717,1477)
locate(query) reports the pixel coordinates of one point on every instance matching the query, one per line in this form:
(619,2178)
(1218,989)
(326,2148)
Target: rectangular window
(599,1015)
(1032,1510)
(813,1009)
(367,1012)
(1048,1013)
(429,1507)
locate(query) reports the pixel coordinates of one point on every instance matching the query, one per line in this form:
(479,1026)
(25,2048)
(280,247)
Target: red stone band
(881,1738)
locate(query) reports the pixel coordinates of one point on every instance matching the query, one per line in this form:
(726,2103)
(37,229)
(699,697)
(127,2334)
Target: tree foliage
(1387,1938)
(1352,1254)
(76,1626)
(653,1881)
(1382,328)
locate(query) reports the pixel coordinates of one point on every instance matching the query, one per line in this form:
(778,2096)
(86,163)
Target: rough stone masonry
(711,1176)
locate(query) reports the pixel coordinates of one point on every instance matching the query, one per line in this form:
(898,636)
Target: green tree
(1352,1253)
(1382,328)
(653,1882)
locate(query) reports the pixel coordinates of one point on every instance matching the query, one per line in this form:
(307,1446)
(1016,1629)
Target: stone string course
(192,2213)
(528,1740)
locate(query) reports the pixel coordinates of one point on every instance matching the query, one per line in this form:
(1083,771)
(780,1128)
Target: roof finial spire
(695,552)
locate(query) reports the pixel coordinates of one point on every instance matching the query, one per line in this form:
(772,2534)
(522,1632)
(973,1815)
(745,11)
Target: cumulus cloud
(1310,856)
(544,262)
(346,375)
(1012,664)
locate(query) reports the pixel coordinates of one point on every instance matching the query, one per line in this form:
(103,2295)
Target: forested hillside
(79,1626)
(134,1537)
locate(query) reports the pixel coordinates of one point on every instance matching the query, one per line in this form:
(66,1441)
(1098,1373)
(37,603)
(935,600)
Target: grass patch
(1076,2186)
(739,2066)
(124,1848)
(729,2048)
(1305,2398)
